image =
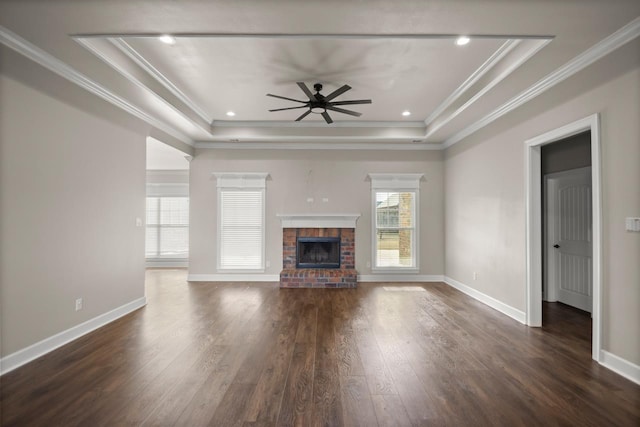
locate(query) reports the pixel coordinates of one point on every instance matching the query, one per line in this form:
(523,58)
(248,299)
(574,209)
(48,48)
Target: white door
(569,238)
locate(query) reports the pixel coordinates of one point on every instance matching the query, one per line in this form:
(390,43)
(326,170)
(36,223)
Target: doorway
(567,246)
(534,223)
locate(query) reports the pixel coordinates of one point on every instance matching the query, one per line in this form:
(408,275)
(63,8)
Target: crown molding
(588,57)
(34,53)
(135,56)
(496,57)
(318,146)
(316,124)
(500,77)
(136,81)
(314,36)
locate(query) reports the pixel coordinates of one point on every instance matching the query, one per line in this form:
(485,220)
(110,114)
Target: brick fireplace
(321,268)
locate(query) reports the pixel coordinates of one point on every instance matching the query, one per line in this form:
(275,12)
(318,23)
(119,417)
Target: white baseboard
(26,355)
(514,313)
(240,277)
(399,278)
(620,366)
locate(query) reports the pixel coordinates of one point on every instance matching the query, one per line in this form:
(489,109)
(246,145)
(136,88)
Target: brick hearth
(344,277)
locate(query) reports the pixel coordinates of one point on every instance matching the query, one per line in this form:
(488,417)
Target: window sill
(408,270)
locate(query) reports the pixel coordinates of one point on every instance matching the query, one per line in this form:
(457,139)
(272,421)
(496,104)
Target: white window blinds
(241,212)
(241,229)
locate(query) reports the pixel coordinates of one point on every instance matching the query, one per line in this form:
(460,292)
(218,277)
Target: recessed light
(166,38)
(406,113)
(462,40)
(230,113)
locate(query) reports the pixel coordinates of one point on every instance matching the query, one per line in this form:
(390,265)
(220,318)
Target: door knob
(556,246)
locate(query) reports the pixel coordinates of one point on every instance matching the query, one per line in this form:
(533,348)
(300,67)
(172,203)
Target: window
(395,214)
(241,213)
(167,233)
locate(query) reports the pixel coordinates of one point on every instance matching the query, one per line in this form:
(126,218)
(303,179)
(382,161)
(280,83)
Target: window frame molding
(398,182)
(159,259)
(242,181)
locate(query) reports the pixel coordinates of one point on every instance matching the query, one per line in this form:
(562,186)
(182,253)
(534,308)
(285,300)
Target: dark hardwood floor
(251,354)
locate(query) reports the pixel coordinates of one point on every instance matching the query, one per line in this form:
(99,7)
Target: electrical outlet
(475,276)
(368,264)
(325,200)
(79,304)
(138,222)
(309,199)
(268,263)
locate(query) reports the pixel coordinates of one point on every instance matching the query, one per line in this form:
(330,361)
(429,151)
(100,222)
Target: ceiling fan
(319,104)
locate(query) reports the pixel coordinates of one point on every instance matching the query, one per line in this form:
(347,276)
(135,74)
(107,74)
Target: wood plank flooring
(251,354)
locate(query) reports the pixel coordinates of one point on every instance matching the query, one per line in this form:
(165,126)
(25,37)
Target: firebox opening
(318,252)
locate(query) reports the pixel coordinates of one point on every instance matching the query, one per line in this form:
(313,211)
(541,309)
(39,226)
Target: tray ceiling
(226,56)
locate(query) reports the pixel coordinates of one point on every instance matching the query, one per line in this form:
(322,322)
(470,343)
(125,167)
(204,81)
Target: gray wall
(72,184)
(295,175)
(485,188)
(570,153)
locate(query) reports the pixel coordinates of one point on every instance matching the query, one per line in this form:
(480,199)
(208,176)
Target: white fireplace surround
(318,220)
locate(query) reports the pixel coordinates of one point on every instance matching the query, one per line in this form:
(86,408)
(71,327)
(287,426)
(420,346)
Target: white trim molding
(533,200)
(503,308)
(128,50)
(395,181)
(47,345)
(53,64)
(504,49)
(130,76)
(293,143)
(586,58)
(620,366)
(404,278)
(241,179)
(246,277)
(318,220)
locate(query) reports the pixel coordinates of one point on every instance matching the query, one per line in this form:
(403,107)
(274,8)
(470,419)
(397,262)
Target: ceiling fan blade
(306,91)
(288,99)
(303,115)
(356,101)
(340,110)
(289,108)
(327,117)
(337,92)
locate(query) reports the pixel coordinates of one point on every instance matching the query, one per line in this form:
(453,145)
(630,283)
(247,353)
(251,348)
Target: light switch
(325,199)
(138,222)
(632,224)
(309,199)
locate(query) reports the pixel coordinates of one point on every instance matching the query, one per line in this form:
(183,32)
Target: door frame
(534,222)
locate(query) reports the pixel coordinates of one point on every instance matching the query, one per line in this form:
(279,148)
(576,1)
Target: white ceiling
(229,54)
(161,156)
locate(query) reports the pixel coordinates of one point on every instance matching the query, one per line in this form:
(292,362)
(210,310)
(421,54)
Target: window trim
(242,181)
(396,182)
(158,257)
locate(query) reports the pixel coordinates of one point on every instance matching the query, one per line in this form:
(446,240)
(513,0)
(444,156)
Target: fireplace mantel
(318,220)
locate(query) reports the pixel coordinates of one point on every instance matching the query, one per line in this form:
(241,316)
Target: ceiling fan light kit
(319,104)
